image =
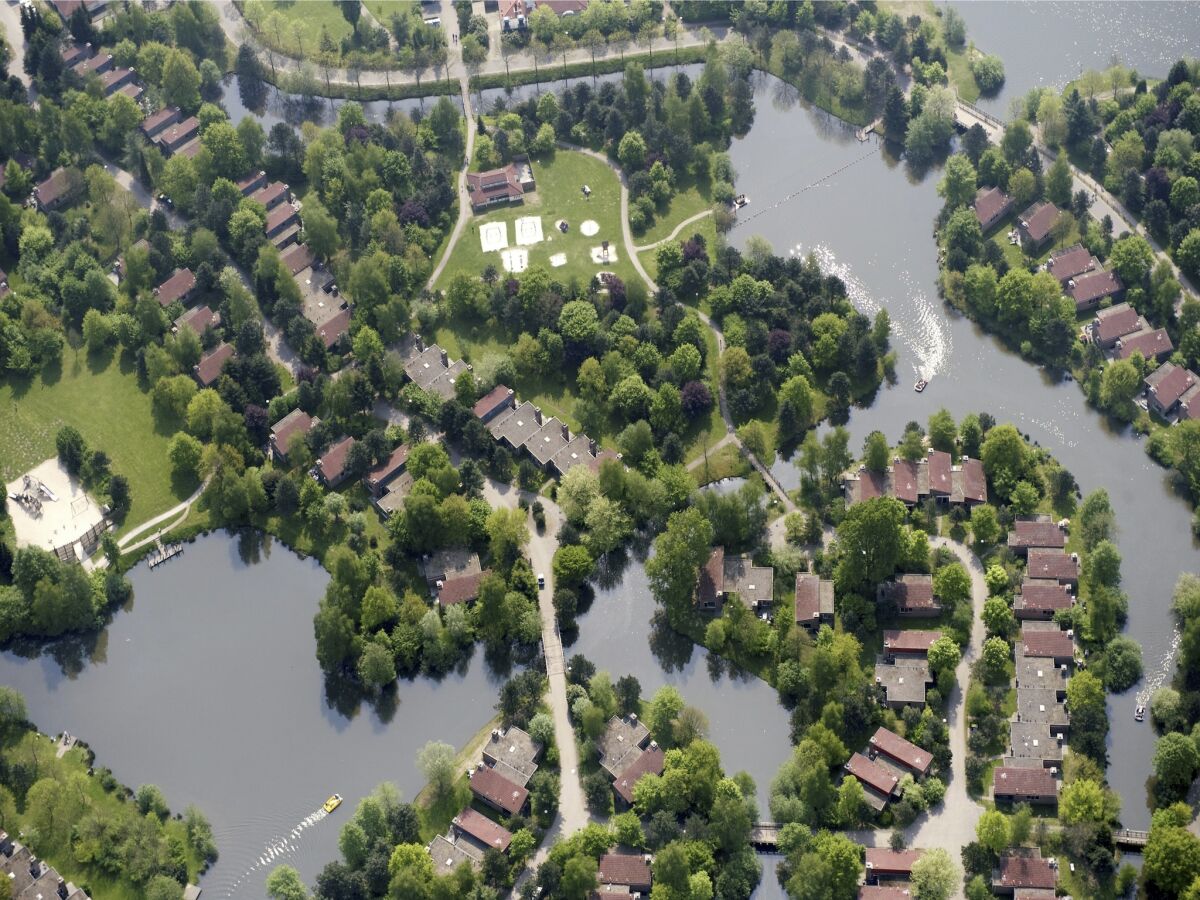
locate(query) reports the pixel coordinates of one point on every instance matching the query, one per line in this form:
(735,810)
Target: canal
(871,224)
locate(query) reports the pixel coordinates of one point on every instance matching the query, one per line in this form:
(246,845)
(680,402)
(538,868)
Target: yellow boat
(333,803)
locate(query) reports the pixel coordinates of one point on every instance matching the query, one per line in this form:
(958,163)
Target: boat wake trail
(1165,667)
(280,847)
(918,323)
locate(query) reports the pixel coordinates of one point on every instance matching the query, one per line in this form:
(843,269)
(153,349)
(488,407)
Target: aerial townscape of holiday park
(676,449)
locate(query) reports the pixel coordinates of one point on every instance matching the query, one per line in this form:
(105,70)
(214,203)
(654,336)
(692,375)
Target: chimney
(537,415)
(445,359)
(566,432)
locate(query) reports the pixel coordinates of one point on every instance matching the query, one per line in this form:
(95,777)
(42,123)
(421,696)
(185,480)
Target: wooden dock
(162,553)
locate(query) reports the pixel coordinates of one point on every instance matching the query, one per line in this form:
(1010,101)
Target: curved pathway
(177,514)
(674,234)
(464,199)
(630,250)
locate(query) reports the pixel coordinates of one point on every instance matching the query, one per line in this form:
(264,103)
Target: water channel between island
(869,219)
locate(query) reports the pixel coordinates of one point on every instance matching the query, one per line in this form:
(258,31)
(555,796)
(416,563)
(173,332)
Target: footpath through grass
(102,398)
(560,178)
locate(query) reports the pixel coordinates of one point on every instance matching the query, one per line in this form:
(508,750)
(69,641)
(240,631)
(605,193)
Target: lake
(869,219)
(1049,42)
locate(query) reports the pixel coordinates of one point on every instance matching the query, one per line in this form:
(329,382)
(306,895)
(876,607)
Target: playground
(558,227)
(49,508)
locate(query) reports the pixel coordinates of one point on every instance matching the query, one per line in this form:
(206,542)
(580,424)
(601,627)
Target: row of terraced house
(1045,655)
(547,440)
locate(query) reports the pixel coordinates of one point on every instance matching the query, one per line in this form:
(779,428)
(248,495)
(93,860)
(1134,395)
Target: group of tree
(86,824)
(1153,165)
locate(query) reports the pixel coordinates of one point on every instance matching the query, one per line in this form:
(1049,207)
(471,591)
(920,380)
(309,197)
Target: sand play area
(494,236)
(589,228)
(48,523)
(529,230)
(558,259)
(515,260)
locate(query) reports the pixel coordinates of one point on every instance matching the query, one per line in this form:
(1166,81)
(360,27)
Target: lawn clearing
(298,29)
(559,178)
(691,196)
(103,400)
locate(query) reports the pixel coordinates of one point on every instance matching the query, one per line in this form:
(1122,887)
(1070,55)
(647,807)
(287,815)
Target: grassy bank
(551,73)
(317,88)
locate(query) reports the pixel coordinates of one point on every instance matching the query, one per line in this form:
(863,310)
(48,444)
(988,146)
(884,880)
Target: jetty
(161,553)
(867,130)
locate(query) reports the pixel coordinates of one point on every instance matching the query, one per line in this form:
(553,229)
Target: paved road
(1103,202)
(239,31)
(572,808)
(10,21)
(952,826)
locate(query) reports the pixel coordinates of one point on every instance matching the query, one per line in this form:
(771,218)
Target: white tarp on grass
(515,260)
(528,230)
(558,259)
(493,236)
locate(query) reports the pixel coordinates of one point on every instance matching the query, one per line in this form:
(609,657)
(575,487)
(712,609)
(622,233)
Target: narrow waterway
(622,634)
(209,687)
(1049,42)
(871,224)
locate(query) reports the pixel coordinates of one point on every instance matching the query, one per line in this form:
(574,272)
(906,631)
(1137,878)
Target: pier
(865,132)
(161,553)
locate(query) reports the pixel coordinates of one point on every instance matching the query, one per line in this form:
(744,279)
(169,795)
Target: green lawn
(692,196)
(102,398)
(301,25)
(559,178)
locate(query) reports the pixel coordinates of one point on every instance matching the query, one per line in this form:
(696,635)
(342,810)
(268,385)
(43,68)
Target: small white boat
(740,201)
(921,384)
(1139,714)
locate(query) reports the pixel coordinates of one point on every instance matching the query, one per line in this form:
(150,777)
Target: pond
(209,687)
(869,219)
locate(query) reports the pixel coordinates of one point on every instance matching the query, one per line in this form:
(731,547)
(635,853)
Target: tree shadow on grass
(52,372)
(99,360)
(20,385)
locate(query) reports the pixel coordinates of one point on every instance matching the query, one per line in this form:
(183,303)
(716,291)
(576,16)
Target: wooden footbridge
(865,132)
(1128,839)
(765,835)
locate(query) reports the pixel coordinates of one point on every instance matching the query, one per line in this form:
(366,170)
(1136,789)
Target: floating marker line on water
(808,187)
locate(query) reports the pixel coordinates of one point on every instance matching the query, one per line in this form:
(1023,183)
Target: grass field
(559,178)
(102,398)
